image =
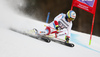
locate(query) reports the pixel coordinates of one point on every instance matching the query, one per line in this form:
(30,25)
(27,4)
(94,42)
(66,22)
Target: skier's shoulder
(61,15)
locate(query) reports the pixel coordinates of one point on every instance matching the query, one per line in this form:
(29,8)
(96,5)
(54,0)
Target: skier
(61,22)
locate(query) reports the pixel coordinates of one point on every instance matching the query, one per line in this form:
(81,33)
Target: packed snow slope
(13,44)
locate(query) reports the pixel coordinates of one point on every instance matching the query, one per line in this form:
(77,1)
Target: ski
(62,42)
(33,35)
(69,44)
(52,37)
(45,38)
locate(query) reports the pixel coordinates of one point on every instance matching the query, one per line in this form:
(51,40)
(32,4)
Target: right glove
(57,27)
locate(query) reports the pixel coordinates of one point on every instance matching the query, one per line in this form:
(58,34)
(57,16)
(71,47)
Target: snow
(13,44)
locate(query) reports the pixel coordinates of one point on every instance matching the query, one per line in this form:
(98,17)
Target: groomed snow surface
(13,44)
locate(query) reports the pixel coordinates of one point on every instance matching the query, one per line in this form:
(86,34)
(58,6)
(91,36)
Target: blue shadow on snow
(74,38)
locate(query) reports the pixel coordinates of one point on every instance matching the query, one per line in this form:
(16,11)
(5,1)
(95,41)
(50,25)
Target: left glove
(67,39)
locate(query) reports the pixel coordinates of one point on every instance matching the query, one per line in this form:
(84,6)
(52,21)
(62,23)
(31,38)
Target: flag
(87,5)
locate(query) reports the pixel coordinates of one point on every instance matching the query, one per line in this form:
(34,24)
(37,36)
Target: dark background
(40,8)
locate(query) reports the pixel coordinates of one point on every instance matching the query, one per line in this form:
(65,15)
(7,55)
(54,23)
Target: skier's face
(68,20)
(72,19)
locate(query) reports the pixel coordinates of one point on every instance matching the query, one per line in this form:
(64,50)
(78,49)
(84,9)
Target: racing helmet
(71,15)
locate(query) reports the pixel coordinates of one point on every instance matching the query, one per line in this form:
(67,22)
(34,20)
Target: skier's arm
(69,31)
(56,19)
(56,24)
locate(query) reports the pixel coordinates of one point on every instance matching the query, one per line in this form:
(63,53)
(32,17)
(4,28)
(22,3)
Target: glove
(57,27)
(67,39)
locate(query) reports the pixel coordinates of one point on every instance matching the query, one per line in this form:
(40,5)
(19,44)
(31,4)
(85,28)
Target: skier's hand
(57,27)
(67,38)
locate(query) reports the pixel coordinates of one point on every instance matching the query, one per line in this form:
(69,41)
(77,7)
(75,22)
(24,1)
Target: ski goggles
(71,19)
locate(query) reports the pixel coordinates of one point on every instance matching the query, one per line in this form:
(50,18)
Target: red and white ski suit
(63,24)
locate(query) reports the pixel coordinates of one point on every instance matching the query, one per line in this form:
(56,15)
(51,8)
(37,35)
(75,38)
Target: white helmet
(71,15)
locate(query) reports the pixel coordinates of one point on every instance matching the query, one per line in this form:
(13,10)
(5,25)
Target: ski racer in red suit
(61,22)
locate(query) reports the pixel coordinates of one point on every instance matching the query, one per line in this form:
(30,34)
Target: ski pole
(48,17)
